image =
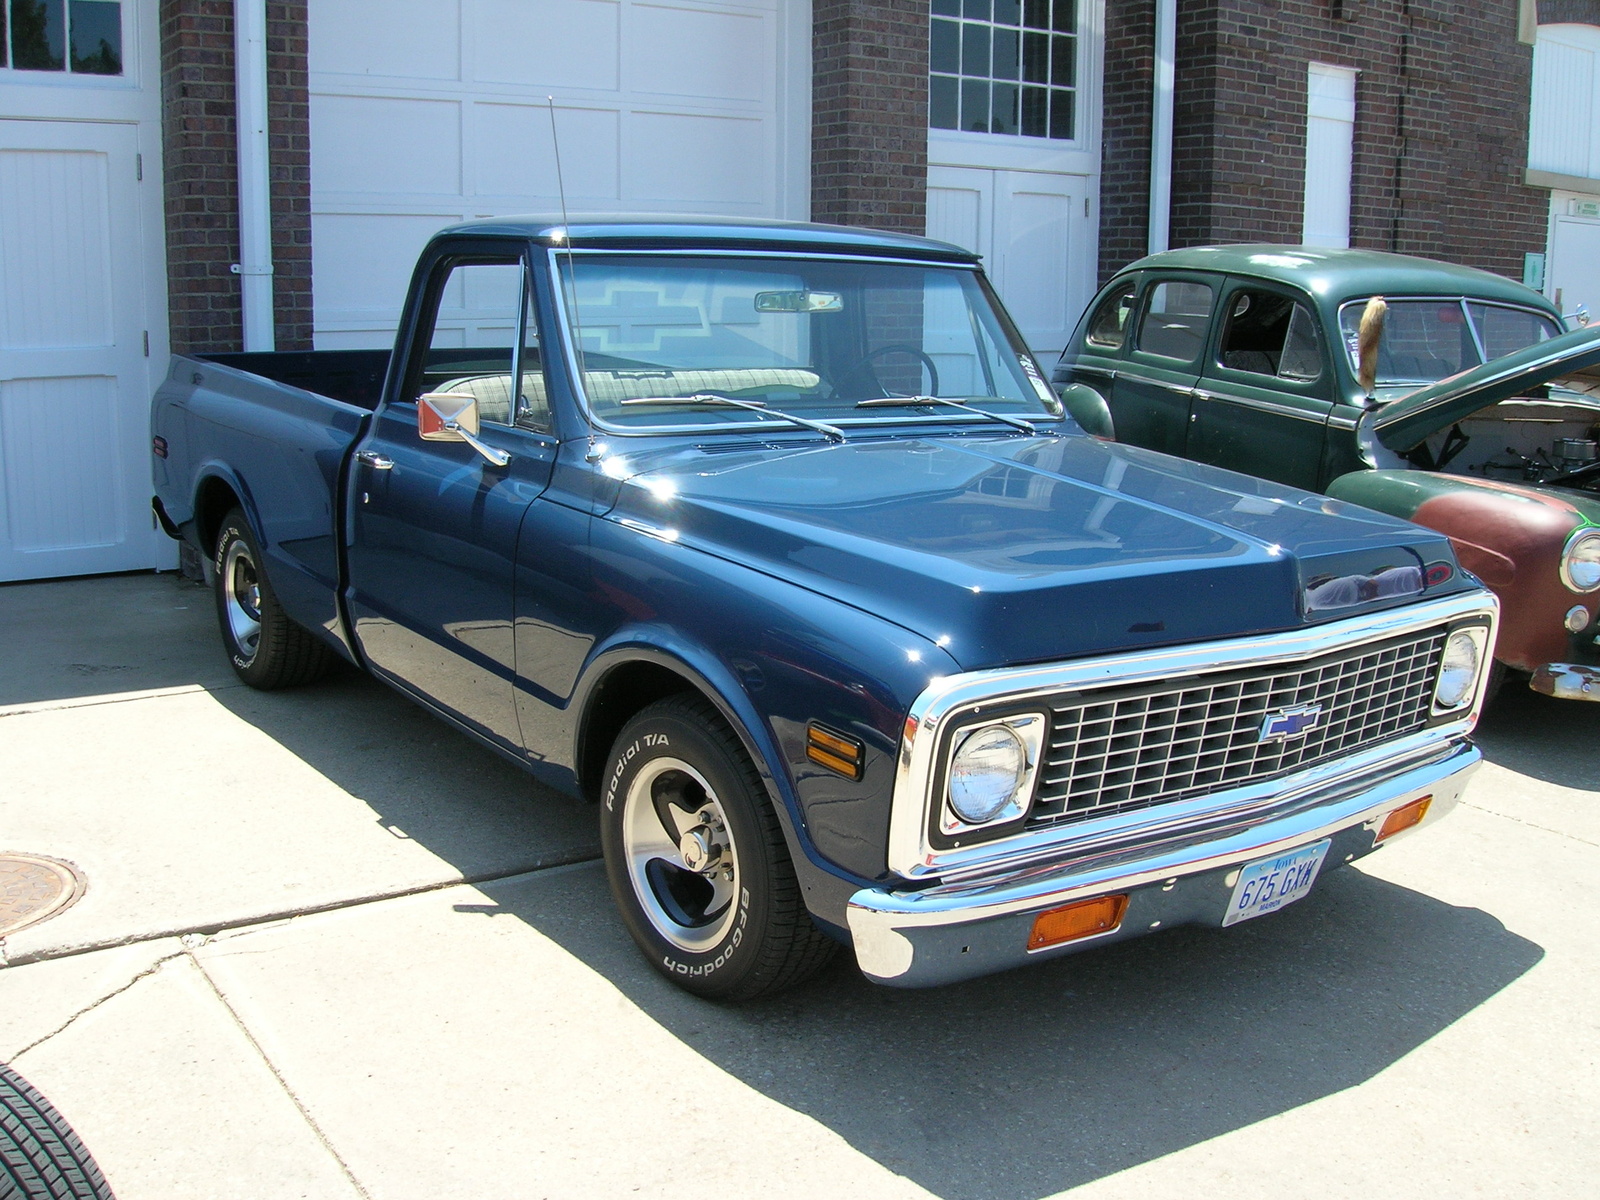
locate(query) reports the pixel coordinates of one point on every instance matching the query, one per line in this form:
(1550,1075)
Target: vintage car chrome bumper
(1567,681)
(939,934)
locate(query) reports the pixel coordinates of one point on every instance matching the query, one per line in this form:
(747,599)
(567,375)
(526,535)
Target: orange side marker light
(1405,817)
(1083,919)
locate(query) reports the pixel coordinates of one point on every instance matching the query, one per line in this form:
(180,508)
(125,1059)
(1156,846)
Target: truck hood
(1007,550)
(1569,360)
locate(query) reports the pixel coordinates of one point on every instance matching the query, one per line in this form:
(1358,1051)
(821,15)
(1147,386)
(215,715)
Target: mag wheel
(267,649)
(697,860)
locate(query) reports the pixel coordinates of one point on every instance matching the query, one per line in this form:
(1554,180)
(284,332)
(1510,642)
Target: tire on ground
(40,1157)
(282,654)
(761,939)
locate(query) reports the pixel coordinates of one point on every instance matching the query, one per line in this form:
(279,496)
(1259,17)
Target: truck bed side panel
(282,450)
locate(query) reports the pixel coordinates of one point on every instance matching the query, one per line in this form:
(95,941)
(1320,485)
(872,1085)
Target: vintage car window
(812,337)
(1175,319)
(1503,330)
(1426,340)
(470,348)
(1270,334)
(1108,329)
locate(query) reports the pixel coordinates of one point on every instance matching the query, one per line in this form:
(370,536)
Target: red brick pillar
(869,140)
(202,175)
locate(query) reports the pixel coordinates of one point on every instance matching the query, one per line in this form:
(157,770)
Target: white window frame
(1330,154)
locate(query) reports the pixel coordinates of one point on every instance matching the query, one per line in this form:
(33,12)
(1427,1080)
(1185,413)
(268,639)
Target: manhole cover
(33,889)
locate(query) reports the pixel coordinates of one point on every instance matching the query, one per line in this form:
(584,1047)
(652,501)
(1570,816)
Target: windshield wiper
(832,432)
(924,401)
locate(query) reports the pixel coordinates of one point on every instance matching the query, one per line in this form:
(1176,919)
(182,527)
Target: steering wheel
(864,364)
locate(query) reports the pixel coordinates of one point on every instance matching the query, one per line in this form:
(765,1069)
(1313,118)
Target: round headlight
(1580,561)
(985,773)
(1458,672)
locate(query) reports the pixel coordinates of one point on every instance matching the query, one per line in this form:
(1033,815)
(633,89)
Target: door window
(1175,319)
(1270,334)
(1108,328)
(473,345)
(1004,66)
(83,37)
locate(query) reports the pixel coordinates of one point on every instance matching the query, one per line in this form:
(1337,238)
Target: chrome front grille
(1120,749)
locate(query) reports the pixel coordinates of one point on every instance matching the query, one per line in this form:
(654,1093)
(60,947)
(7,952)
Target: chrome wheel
(241,598)
(680,855)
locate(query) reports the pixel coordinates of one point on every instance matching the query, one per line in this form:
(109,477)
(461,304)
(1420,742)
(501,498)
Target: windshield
(809,337)
(1427,340)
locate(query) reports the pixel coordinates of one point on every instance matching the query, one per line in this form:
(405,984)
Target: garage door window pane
(38,35)
(96,28)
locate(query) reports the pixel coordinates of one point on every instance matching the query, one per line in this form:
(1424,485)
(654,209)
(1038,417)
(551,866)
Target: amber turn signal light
(834,751)
(1083,919)
(1404,817)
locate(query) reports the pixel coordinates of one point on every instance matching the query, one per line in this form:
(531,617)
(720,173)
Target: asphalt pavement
(327,947)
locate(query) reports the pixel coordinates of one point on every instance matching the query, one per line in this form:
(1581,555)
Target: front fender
(1509,535)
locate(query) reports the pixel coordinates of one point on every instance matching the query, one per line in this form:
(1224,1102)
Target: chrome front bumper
(940,934)
(1567,681)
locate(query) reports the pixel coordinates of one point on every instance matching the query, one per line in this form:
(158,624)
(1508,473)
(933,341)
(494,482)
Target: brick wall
(1569,12)
(1440,137)
(869,133)
(202,180)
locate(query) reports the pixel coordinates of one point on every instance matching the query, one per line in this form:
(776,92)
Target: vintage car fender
(1089,409)
(1511,536)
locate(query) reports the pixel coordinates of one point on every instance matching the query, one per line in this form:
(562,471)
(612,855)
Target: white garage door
(437,113)
(82,292)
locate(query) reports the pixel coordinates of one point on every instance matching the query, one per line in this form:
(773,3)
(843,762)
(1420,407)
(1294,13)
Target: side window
(1174,322)
(1108,328)
(533,401)
(471,345)
(1270,334)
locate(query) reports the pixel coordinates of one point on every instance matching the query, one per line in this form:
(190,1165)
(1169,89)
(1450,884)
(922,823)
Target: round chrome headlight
(1580,561)
(1458,672)
(986,772)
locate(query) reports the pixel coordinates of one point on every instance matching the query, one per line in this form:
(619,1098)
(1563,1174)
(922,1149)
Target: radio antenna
(570,285)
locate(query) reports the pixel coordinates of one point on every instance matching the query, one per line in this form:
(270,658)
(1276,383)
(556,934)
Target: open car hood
(1570,360)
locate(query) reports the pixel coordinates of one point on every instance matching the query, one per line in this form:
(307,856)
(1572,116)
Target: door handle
(376,461)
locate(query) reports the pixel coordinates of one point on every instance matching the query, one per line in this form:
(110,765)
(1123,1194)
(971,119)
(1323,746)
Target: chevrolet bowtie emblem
(1289,723)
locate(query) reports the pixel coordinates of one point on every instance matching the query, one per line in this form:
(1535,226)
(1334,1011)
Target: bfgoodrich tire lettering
(697,860)
(40,1157)
(267,649)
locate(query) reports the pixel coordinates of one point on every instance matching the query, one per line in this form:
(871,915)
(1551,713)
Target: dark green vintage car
(1445,395)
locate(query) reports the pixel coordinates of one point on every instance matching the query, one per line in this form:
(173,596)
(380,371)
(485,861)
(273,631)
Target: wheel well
(215,501)
(623,691)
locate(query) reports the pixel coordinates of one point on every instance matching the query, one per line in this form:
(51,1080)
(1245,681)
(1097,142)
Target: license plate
(1267,885)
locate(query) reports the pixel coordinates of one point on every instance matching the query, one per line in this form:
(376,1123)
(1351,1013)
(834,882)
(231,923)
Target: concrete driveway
(329,948)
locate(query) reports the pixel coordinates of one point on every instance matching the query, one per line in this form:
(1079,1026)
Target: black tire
(276,653)
(40,1157)
(759,939)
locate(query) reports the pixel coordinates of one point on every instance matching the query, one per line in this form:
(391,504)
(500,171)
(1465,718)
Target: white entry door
(74,393)
(1573,272)
(1034,232)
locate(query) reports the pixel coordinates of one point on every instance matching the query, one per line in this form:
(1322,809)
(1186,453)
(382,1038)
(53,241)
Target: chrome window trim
(1268,406)
(961,697)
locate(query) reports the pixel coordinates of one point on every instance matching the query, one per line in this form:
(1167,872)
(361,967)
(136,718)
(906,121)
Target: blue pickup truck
(774,541)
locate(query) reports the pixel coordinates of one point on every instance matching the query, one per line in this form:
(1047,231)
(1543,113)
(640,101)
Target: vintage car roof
(1336,275)
(654,231)
(1570,359)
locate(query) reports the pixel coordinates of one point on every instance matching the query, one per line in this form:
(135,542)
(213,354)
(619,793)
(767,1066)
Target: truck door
(434,525)
(1262,406)
(1151,395)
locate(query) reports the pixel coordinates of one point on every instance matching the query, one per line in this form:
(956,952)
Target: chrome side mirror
(453,417)
(1579,319)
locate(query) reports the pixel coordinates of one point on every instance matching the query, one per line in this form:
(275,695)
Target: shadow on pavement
(1548,739)
(1020,1085)
(422,779)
